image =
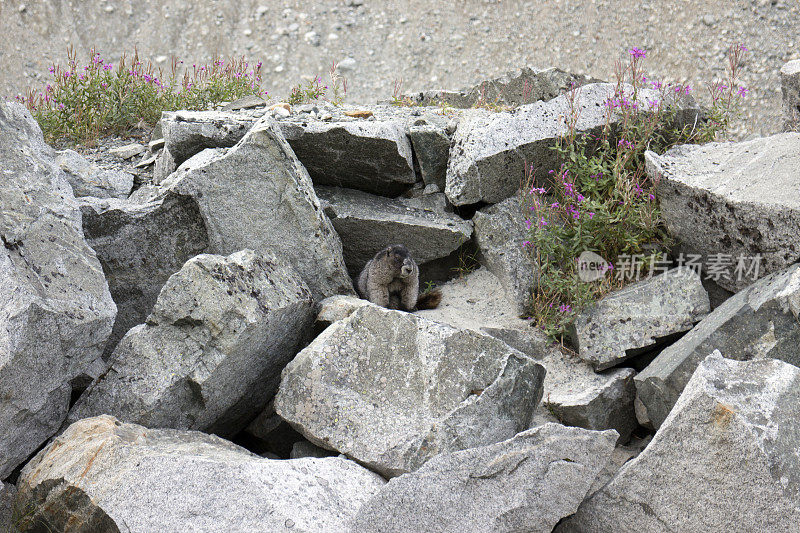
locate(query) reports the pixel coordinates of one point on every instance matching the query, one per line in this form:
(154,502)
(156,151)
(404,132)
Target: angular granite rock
(338,307)
(257,195)
(499,233)
(790,89)
(518,87)
(210,355)
(391,389)
(7,515)
(372,156)
(574,394)
(526,483)
(87,179)
(761,321)
(367,223)
(725,459)
(726,201)
(490,152)
(628,321)
(432,148)
(56,312)
(187,133)
(102,475)
(140,246)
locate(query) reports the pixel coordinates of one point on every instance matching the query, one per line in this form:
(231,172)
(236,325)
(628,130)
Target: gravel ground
(427,44)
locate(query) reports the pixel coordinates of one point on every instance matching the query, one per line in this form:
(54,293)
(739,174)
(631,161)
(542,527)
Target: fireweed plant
(601,199)
(314,90)
(83,102)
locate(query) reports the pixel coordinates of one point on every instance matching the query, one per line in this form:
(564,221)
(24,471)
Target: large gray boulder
(761,321)
(209,356)
(87,179)
(56,312)
(372,156)
(257,195)
(140,246)
(391,389)
(499,234)
(367,223)
(526,483)
(103,475)
(726,201)
(490,152)
(631,320)
(574,394)
(724,460)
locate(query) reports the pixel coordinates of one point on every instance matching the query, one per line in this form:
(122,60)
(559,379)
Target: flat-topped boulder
(761,321)
(732,202)
(88,179)
(490,152)
(631,320)
(104,475)
(209,356)
(56,311)
(257,195)
(725,459)
(367,223)
(526,483)
(391,390)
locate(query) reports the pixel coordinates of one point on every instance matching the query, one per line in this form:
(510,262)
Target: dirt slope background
(425,43)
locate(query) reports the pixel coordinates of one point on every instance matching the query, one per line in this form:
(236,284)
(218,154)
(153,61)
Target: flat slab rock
(490,152)
(725,459)
(391,389)
(110,476)
(574,394)
(526,483)
(734,199)
(367,223)
(56,311)
(258,196)
(210,354)
(761,321)
(631,319)
(88,179)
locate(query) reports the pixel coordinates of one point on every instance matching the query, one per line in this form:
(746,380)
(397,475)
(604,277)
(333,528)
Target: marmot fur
(391,280)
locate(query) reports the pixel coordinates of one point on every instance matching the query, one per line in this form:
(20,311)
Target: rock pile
(190,355)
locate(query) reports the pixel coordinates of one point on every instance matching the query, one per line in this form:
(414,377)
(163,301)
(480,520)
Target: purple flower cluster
(637,53)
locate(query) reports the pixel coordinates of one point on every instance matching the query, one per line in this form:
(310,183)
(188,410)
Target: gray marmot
(391,280)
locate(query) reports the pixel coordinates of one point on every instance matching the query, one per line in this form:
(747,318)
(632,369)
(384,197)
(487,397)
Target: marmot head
(399,260)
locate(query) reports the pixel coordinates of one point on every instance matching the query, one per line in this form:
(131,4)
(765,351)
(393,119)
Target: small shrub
(314,91)
(601,200)
(82,103)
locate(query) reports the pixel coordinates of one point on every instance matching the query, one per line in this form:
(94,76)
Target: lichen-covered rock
(102,475)
(87,179)
(725,459)
(499,233)
(490,152)
(761,321)
(732,202)
(367,224)
(140,246)
(630,320)
(574,394)
(257,195)
(391,389)
(526,483)
(210,355)
(56,312)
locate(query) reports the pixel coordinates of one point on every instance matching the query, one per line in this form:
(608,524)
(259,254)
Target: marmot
(391,280)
